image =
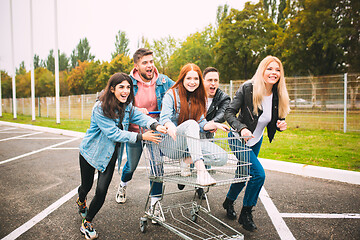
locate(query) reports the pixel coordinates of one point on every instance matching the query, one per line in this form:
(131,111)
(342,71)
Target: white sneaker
(185,168)
(204,179)
(156,213)
(121,194)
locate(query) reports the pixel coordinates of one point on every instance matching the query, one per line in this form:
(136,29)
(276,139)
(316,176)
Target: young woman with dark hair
(103,143)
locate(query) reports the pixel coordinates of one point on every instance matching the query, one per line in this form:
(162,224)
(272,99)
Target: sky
(99,21)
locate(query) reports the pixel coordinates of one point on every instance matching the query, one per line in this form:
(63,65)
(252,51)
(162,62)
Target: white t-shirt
(208,104)
(263,120)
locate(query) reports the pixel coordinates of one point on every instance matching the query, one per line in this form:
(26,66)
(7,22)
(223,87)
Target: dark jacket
(217,109)
(243,102)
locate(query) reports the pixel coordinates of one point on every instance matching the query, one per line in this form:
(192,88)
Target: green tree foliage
(120,63)
(6,85)
(221,13)
(197,48)
(44,82)
(121,45)
(163,49)
(81,53)
(313,41)
(246,37)
(37,61)
(63,61)
(347,16)
(21,69)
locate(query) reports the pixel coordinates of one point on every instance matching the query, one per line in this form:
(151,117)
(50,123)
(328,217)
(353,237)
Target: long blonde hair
(259,90)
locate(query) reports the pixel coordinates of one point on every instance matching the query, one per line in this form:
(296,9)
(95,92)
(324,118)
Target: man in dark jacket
(217,102)
(217,99)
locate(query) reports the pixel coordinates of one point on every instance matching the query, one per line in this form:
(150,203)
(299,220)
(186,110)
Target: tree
(197,48)
(6,85)
(81,53)
(76,78)
(121,45)
(63,61)
(313,39)
(120,63)
(163,49)
(245,38)
(21,69)
(37,61)
(44,82)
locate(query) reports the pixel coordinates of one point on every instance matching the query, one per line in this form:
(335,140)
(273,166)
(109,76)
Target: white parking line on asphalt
(276,218)
(68,148)
(45,138)
(32,222)
(320,215)
(6,129)
(25,135)
(14,132)
(37,151)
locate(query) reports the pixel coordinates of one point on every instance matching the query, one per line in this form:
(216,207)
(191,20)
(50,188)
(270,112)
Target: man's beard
(144,75)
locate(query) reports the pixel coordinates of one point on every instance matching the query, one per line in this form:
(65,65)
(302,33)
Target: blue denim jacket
(98,145)
(168,112)
(163,83)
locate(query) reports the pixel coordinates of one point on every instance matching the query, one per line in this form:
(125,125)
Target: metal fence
(326,102)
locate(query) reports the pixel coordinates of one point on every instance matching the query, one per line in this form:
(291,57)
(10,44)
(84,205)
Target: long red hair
(192,104)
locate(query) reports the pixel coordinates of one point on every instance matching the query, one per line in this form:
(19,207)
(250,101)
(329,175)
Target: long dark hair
(196,98)
(112,107)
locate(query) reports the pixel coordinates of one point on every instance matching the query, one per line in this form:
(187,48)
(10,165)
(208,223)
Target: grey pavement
(39,176)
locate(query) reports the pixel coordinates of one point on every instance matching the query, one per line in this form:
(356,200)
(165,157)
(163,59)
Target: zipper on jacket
(250,113)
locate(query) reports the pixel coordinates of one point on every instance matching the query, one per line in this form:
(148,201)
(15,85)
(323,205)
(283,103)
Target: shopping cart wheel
(143,224)
(194,215)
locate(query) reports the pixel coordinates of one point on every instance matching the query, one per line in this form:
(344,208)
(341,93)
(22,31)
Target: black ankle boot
(229,206)
(246,219)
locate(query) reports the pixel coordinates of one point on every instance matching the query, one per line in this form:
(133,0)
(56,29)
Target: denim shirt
(163,83)
(98,145)
(168,112)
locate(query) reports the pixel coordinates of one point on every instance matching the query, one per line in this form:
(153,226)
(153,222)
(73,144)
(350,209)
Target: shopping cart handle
(154,112)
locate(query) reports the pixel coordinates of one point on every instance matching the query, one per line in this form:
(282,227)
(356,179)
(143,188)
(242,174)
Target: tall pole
(12,61)
(32,65)
(57,94)
(345,102)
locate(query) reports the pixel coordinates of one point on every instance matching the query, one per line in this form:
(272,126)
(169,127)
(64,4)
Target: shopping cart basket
(230,163)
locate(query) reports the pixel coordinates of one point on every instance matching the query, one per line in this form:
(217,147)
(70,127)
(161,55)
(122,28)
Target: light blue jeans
(188,144)
(257,174)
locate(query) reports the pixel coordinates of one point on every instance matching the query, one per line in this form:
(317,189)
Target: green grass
(325,148)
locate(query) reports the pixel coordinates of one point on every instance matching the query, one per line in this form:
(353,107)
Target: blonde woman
(261,102)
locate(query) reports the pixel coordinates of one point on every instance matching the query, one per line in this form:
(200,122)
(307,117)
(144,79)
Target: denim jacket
(163,83)
(168,112)
(98,145)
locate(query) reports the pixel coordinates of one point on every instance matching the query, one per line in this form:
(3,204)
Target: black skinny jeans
(103,182)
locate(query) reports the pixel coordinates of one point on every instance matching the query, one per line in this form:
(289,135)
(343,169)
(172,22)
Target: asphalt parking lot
(39,176)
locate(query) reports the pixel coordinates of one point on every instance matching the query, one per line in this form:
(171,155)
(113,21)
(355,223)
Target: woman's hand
(246,134)
(161,128)
(213,126)
(281,124)
(171,129)
(152,136)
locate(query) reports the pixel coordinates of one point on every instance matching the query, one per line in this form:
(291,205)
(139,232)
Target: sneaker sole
(83,232)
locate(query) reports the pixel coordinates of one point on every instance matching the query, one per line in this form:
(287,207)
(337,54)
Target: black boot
(246,219)
(229,206)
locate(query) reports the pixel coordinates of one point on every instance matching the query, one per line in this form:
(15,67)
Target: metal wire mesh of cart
(227,159)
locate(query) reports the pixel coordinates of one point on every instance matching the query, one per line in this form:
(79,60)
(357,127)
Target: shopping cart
(192,219)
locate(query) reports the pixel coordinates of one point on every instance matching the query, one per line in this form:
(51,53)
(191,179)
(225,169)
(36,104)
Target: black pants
(87,180)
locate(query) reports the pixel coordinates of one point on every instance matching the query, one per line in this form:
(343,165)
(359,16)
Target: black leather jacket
(217,109)
(243,102)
